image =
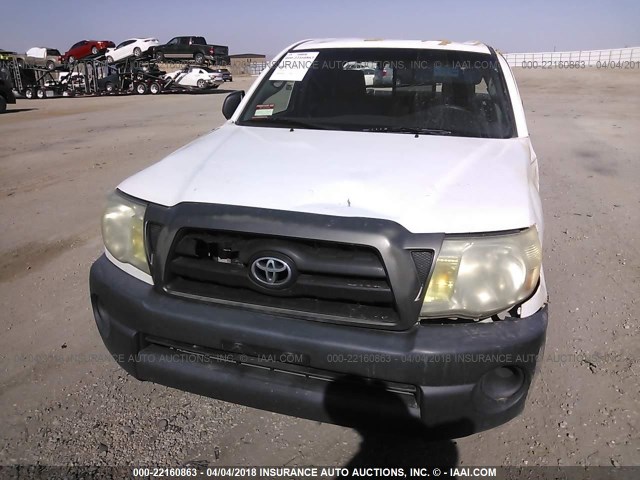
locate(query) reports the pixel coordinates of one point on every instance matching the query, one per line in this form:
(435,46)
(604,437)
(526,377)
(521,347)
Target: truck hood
(426,184)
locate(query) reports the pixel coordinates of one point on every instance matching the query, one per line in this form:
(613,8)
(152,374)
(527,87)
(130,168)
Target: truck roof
(316,44)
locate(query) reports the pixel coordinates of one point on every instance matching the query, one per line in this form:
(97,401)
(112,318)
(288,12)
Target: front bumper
(9,97)
(431,375)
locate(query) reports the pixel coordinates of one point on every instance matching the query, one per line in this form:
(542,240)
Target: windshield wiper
(289,122)
(414,130)
(420,131)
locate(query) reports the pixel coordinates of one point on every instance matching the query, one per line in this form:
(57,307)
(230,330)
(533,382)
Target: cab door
(183,50)
(76,49)
(125,49)
(191,78)
(84,49)
(170,50)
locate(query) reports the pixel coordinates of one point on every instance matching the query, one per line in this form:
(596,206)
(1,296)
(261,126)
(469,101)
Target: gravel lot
(65,402)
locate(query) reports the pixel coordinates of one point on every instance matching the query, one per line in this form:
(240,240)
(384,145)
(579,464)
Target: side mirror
(231,103)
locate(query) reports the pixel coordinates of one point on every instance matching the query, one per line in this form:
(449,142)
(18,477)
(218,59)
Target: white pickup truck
(340,250)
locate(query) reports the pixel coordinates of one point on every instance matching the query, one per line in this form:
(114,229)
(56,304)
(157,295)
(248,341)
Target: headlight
(476,277)
(123,231)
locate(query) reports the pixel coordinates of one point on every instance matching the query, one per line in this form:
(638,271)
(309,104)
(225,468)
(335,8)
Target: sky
(268,26)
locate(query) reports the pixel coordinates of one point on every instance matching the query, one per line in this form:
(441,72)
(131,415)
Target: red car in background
(85,48)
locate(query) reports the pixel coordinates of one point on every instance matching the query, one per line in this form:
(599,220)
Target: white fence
(592,58)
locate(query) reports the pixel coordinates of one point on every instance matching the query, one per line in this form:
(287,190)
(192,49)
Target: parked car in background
(367,68)
(369,76)
(368,73)
(73,82)
(6,95)
(109,80)
(383,76)
(226,74)
(40,57)
(196,76)
(85,48)
(132,47)
(150,69)
(192,47)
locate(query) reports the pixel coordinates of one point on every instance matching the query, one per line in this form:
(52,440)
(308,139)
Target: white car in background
(367,69)
(196,76)
(131,47)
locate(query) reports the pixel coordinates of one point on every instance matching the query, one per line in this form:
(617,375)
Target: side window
(199,41)
(173,41)
(185,41)
(283,98)
(124,44)
(482,88)
(489,104)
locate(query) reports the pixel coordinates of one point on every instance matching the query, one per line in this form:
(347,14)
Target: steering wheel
(439,111)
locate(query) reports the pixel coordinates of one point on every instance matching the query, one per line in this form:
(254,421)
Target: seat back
(331,92)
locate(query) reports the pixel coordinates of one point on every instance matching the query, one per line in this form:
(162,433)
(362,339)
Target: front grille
(152,234)
(423,260)
(332,281)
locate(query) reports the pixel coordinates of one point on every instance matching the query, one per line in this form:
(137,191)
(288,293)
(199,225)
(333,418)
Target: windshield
(385,90)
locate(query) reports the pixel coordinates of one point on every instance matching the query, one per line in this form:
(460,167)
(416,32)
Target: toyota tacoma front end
(338,250)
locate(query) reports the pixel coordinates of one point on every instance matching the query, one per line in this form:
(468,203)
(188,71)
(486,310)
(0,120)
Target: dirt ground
(65,402)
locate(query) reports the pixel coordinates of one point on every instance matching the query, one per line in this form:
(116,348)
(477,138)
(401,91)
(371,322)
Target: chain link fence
(590,58)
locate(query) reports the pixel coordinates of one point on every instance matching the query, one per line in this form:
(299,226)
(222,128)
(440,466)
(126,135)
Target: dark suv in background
(192,47)
(6,94)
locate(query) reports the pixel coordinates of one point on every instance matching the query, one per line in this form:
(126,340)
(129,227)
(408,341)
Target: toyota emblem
(271,271)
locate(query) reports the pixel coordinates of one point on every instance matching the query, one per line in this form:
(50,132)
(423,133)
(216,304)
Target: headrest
(326,82)
(350,82)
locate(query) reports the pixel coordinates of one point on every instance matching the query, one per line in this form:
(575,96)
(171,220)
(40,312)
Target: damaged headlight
(123,230)
(476,277)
